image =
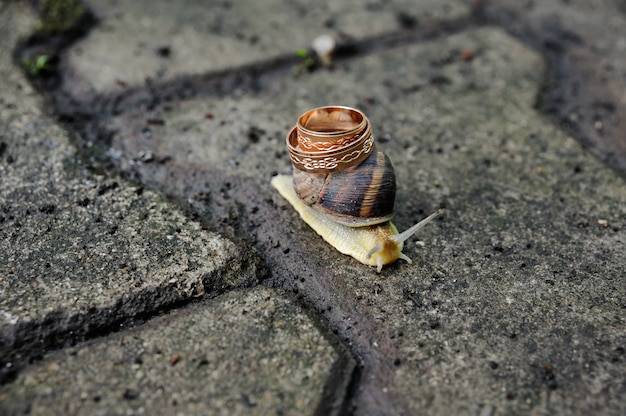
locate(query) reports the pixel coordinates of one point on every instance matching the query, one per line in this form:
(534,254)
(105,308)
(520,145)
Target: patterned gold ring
(329,139)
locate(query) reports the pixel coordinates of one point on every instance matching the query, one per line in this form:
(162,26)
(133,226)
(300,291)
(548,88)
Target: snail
(343,187)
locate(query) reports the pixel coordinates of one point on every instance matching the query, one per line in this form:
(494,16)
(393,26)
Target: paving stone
(514,304)
(162,40)
(586,45)
(247,352)
(244,136)
(80,251)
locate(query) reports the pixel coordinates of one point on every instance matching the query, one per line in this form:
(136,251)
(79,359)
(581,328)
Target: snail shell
(357,196)
(343,187)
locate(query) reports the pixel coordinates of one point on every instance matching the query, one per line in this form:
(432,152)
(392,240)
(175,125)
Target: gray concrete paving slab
(244,135)
(527,262)
(80,251)
(585,42)
(249,352)
(162,40)
(514,303)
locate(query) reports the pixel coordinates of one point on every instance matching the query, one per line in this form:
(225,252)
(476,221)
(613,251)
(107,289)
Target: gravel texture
(247,352)
(147,266)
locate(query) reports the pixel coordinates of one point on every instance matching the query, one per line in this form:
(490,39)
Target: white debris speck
(324,45)
(7,317)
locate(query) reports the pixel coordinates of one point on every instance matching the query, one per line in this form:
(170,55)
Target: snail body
(343,187)
(374,245)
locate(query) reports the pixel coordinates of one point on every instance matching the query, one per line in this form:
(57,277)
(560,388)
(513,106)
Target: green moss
(59,16)
(37,65)
(302,53)
(308,62)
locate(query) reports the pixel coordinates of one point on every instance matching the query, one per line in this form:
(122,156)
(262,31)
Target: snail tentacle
(375,249)
(405,235)
(405,258)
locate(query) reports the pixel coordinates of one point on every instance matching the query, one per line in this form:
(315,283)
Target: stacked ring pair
(330,139)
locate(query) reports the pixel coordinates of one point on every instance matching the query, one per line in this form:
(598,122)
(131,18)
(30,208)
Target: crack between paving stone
(91,124)
(88,115)
(342,391)
(28,342)
(553,44)
(309,284)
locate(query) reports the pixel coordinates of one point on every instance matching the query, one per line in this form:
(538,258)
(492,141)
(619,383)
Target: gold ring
(329,139)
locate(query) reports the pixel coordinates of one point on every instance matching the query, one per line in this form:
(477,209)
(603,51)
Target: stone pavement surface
(156,369)
(147,267)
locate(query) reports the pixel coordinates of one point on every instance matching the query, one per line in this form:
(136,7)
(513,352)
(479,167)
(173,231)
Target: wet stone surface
(205,359)
(159,203)
(222,35)
(584,42)
(79,251)
(503,272)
